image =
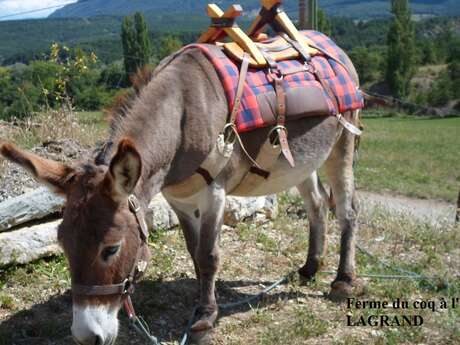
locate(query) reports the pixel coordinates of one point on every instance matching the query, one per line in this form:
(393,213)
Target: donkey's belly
(311,143)
(281,178)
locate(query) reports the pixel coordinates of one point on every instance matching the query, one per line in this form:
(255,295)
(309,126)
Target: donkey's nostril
(98,340)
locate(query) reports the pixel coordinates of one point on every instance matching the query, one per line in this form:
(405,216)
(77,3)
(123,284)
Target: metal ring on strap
(276,128)
(229,135)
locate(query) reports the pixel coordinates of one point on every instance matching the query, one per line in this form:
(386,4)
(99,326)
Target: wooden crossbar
(271,11)
(223,24)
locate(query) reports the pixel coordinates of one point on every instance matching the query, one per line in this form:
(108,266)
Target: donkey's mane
(120,107)
(123,102)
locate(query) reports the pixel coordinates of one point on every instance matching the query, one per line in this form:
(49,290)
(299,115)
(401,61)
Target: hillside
(102,34)
(346,8)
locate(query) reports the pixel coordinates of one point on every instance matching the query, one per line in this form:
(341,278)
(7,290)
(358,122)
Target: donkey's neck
(153,123)
(174,122)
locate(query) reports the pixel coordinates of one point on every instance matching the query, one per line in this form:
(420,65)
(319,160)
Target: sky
(10,7)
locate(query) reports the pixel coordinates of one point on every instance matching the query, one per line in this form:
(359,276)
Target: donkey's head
(100,233)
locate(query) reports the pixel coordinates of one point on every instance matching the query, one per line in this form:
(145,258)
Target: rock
(28,244)
(31,206)
(35,242)
(238,209)
(160,214)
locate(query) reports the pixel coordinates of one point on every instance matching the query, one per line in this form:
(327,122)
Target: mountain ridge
(347,8)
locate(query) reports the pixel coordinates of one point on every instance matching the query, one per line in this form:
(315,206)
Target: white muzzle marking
(95,324)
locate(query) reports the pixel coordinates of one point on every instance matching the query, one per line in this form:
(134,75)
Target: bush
(368,63)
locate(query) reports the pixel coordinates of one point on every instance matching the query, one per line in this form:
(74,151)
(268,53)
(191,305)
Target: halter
(125,288)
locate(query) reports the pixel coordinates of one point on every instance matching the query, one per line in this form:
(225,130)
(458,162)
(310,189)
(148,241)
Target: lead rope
(138,323)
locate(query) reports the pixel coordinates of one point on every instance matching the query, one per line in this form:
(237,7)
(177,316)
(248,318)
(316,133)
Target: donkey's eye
(109,251)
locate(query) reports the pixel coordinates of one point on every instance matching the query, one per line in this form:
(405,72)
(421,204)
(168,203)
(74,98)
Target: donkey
(160,140)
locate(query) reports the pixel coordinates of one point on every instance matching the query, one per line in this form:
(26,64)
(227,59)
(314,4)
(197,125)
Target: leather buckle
(275,75)
(275,141)
(129,287)
(134,204)
(229,133)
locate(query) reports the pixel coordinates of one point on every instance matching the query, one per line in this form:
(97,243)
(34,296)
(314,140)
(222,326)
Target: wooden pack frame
(224,24)
(273,15)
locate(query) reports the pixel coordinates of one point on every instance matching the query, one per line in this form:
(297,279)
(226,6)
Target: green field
(411,156)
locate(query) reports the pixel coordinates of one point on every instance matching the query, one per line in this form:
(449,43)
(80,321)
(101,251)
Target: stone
(38,241)
(35,205)
(29,244)
(239,209)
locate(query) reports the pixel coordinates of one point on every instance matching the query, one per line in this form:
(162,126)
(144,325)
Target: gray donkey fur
(175,123)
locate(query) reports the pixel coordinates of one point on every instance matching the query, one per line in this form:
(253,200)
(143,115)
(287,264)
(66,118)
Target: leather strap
(297,46)
(136,208)
(99,290)
(206,175)
(271,62)
(240,88)
(281,120)
(138,268)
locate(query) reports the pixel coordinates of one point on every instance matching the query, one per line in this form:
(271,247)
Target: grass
(85,127)
(417,157)
(295,313)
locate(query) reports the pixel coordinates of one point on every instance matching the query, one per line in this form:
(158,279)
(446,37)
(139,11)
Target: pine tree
(136,43)
(401,50)
(142,40)
(324,23)
(127,39)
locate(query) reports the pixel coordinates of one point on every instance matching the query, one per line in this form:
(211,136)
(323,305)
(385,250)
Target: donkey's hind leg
(317,202)
(339,170)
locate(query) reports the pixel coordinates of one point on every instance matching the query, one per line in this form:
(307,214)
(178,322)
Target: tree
(367,62)
(143,44)
(168,45)
(324,23)
(136,43)
(401,50)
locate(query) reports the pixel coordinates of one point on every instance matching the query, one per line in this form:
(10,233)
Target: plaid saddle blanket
(258,97)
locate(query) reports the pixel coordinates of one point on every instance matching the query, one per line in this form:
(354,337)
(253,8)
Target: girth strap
(240,88)
(281,120)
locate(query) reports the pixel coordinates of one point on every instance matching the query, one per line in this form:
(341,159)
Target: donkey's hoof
(205,321)
(306,274)
(308,271)
(341,290)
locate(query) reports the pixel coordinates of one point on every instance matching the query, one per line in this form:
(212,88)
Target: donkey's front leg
(212,206)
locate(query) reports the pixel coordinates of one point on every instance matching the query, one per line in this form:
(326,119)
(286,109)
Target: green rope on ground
(406,273)
(141,327)
(244,301)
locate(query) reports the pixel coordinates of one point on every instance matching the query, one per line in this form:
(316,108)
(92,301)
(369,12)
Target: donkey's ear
(53,174)
(125,170)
